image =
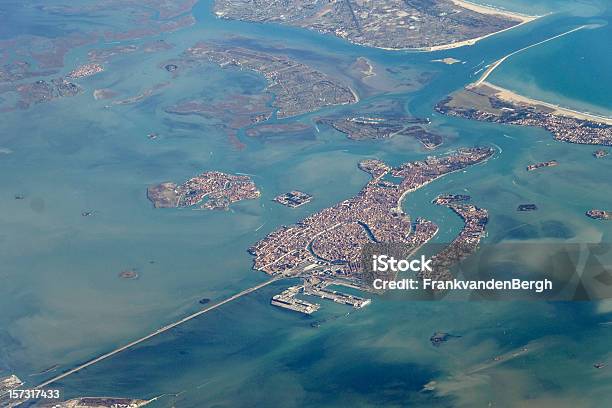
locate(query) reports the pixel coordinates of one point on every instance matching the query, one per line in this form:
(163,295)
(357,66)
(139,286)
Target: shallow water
(62,301)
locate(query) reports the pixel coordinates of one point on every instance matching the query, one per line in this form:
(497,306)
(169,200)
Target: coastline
(482,9)
(511,96)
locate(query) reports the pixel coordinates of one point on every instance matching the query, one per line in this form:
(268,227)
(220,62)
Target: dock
(317,287)
(287,300)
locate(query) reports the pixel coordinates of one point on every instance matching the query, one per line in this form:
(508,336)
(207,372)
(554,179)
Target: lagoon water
(62,302)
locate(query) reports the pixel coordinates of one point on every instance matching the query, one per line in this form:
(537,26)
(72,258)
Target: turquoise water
(62,302)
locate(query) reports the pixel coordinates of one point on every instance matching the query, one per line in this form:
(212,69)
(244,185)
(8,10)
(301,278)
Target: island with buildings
(293,199)
(535,166)
(328,244)
(599,214)
(600,153)
(425,25)
(211,190)
(474,229)
(297,88)
(86,70)
(383,127)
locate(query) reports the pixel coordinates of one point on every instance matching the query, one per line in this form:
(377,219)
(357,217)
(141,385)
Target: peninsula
(215,189)
(481,100)
(424,25)
(490,103)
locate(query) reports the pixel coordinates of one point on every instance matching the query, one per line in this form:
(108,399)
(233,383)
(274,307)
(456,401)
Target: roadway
(158,332)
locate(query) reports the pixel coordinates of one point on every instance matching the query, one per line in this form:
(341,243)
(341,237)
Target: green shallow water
(62,302)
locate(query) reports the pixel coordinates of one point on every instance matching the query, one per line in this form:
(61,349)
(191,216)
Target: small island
(129,274)
(527,207)
(214,189)
(447,61)
(438,338)
(536,166)
(599,214)
(293,198)
(601,153)
(86,70)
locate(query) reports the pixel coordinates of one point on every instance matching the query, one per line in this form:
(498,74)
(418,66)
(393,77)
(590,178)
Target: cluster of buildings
(298,88)
(536,166)
(600,153)
(293,198)
(390,24)
(599,214)
(466,243)
(218,189)
(287,300)
(332,239)
(8,383)
(102,402)
(86,70)
(564,128)
(318,287)
(49,399)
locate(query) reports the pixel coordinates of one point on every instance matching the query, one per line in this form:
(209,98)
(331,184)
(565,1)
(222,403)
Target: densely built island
(330,241)
(212,190)
(465,244)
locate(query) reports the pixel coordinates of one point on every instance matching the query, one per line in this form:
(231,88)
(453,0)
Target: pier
(317,286)
(497,63)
